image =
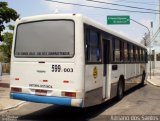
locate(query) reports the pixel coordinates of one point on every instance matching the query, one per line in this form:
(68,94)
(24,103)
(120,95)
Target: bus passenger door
(106,56)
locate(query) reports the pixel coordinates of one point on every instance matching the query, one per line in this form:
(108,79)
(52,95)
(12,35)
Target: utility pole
(159,11)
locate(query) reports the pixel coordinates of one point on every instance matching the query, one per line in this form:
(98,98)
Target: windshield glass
(45,39)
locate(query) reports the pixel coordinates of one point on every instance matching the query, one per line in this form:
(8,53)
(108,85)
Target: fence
(4,68)
(154,71)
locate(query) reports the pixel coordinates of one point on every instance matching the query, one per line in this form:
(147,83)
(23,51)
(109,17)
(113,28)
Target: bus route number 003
(57,68)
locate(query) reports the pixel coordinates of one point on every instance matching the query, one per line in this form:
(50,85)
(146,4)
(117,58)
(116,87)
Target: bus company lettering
(40,86)
(42,53)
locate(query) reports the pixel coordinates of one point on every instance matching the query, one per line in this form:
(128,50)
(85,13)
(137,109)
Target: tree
(6,15)
(6,46)
(11,27)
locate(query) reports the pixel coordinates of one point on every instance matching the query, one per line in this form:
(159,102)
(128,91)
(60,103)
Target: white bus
(71,60)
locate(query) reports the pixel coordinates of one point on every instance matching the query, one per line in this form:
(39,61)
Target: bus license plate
(41,92)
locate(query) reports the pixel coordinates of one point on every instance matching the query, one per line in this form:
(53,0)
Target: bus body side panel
(115,75)
(51,80)
(138,76)
(132,74)
(93,84)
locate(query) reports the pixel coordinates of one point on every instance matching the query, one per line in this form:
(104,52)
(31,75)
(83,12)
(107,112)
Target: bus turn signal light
(15,89)
(65,81)
(16,78)
(69,94)
(45,80)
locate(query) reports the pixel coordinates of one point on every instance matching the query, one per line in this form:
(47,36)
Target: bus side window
(138,55)
(125,52)
(87,43)
(131,50)
(143,56)
(134,53)
(116,50)
(122,56)
(93,46)
(146,57)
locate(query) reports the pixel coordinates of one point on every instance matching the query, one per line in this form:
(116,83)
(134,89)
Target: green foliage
(6,46)
(11,27)
(6,15)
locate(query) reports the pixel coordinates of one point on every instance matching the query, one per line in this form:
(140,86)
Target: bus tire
(120,89)
(143,78)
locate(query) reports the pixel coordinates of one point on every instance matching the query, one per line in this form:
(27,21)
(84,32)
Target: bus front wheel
(143,78)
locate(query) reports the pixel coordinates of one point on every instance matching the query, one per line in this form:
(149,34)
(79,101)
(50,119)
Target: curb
(153,83)
(20,103)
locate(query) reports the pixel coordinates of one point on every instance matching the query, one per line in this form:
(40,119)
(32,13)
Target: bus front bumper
(48,99)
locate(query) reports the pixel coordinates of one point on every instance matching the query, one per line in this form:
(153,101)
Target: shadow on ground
(62,113)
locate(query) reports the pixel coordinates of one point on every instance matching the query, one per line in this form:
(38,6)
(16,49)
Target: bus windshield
(45,39)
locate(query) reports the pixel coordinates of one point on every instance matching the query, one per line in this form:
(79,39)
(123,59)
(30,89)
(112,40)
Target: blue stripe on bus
(42,99)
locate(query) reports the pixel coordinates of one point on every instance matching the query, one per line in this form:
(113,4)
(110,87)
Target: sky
(133,30)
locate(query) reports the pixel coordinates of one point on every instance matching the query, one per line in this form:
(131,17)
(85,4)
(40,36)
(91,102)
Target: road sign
(113,20)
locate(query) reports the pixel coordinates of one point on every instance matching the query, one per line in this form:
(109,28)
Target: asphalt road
(137,101)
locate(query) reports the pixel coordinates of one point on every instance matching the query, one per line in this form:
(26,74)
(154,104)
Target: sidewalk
(155,77)
(155,80)
(5,101)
